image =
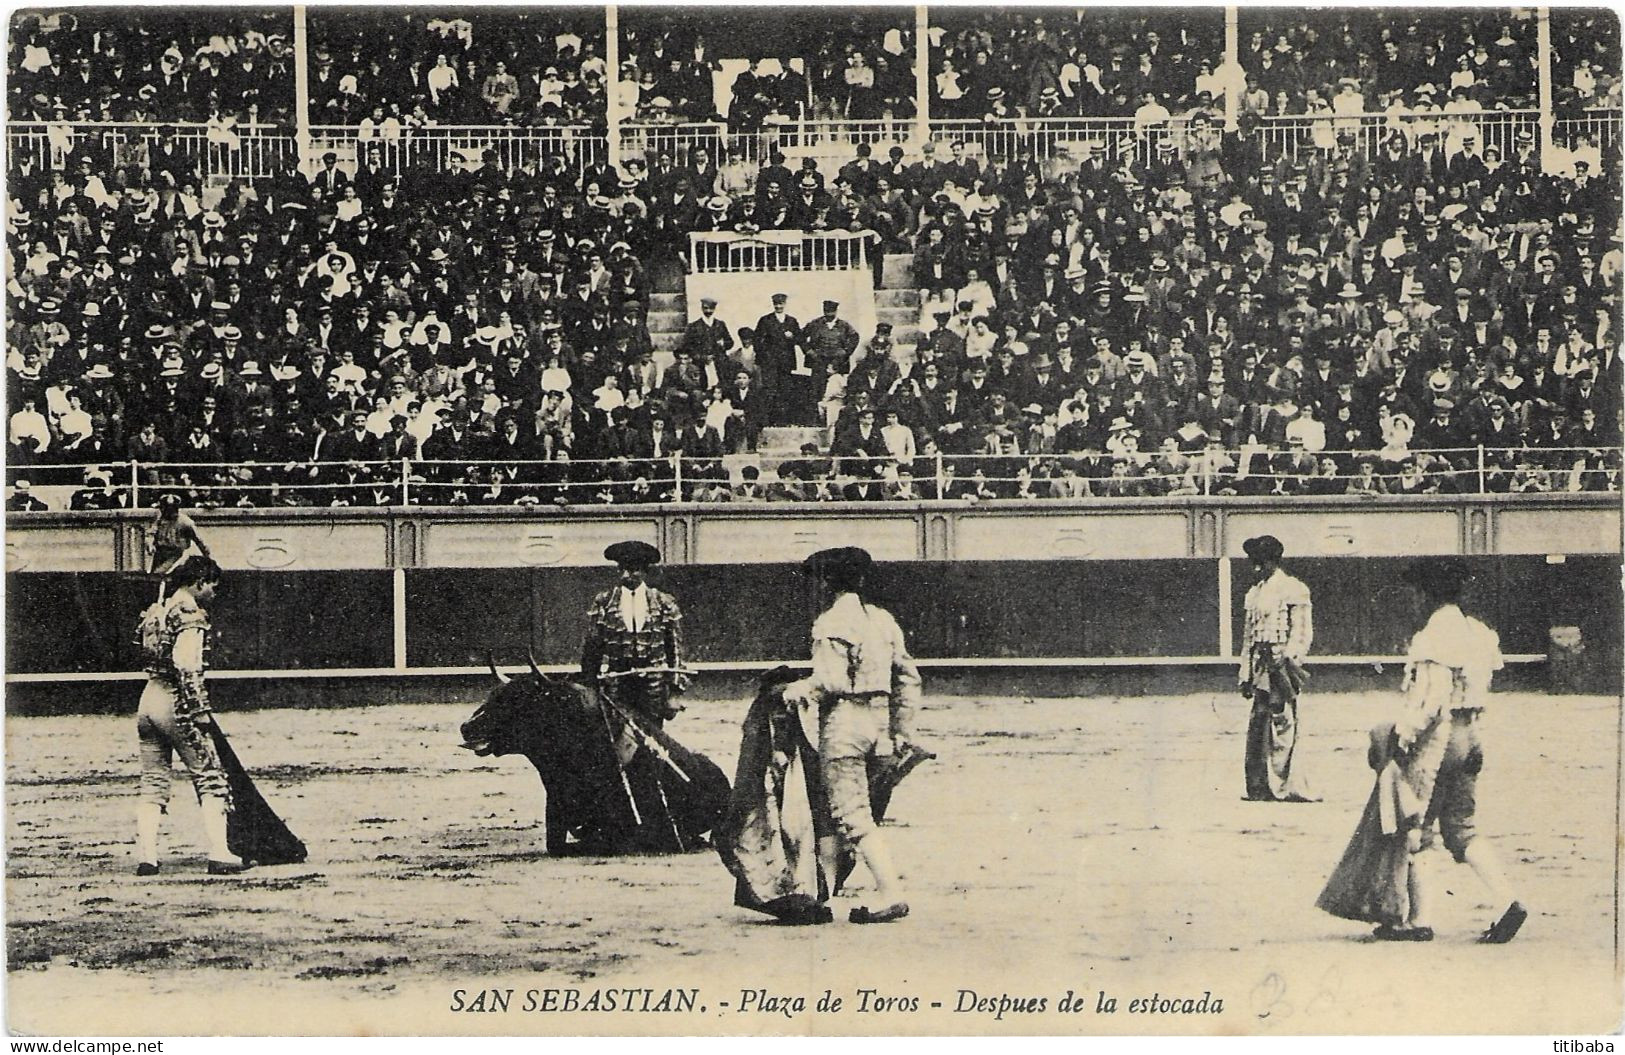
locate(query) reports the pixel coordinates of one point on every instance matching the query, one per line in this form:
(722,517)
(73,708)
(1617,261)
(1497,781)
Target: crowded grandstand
(1371,253)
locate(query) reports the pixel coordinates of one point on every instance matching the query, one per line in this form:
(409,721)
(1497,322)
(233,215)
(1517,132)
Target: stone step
(897,298)
(901,316)
(668,302)
(667,276)
(667,321)
(666,341)
(898,271)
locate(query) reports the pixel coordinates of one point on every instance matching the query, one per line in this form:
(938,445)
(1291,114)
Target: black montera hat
(1264,547)
(633,554)
(841,562)
(1439,575)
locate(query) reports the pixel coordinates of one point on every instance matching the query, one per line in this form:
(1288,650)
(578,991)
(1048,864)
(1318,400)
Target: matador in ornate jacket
(633,650)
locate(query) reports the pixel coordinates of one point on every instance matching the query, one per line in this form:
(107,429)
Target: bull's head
(512,717)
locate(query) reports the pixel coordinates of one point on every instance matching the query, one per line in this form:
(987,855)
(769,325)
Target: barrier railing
(260,151)
(724,251)
(256,151)
(680,478)
(652,140)
(457,147)
(1602,126)
(237,151)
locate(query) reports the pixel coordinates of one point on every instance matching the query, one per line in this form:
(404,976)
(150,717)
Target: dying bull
(663,799)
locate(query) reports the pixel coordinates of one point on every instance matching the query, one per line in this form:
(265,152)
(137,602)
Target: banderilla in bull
(644,740)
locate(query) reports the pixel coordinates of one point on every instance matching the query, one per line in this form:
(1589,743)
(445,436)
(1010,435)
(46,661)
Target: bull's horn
(491,658)
(534,667)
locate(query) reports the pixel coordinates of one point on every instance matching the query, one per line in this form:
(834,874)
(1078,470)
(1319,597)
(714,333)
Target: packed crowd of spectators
(151,64)
(1205,321)
(1213,324)
(548,66)
(1154,64)
(1218,324)
(473,66)
(294,342)
(857,67)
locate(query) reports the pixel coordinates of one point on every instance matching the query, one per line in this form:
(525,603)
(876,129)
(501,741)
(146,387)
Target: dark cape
(254,832)
(1369,884)
(768,839)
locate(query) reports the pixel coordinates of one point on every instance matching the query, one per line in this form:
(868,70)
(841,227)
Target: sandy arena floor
(1089,845)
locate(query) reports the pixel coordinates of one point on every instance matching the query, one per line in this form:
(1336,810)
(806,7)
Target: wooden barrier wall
(373,593)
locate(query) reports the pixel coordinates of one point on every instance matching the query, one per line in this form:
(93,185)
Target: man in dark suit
(1217,411)
(749,413)
(786,373)
(330,178)
(708,337)
(860,447)
(354,444)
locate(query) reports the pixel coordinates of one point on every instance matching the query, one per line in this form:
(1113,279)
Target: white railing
(714,252)
(1601,125)
(260,151)
(241,151)
(678,478)
(462,147)
(680,141)
(257,151)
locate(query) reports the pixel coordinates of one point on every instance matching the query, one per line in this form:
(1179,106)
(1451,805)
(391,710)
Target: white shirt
(1152,113)
(440,78)
(27,424)
(635,606)
(858,649)
(1312,433)
(1448,667)
(899,441)
(75,423)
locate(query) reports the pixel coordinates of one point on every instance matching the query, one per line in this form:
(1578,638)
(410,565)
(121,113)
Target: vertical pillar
(612,60)
(922,76)
(1232,69)
(301,84)
(398,618)
(1548,121)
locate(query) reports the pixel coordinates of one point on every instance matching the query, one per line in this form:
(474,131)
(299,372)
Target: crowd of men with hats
(393,71)
(311,326)
(1144,312)
(1201,319)
(548,66)
(1013,62)
(1216,322)
(151,64)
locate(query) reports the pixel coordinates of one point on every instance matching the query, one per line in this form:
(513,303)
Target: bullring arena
(1068,843)
(1055,312)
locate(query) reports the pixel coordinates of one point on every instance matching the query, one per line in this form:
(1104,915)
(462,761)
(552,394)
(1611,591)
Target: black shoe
(910,757)
(1389,932)
(228,868)
(799,910)
(810,917)
(883,915)
(146,868)
(1506,928)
